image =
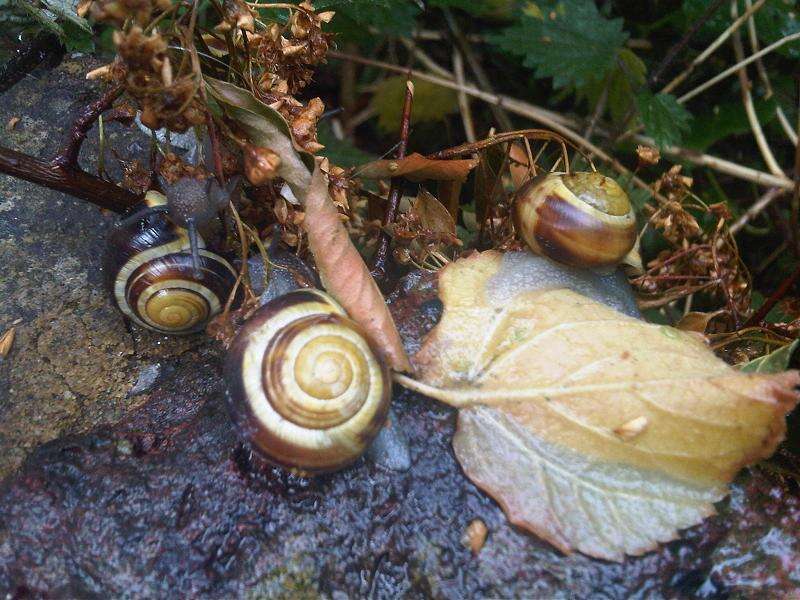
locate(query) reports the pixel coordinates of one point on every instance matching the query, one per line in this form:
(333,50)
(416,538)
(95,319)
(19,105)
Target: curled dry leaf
(345,276)
(416,167)
(595,430)
(432,213)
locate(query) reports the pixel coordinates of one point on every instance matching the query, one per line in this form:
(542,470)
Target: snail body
(581,219)
(305,387)
(153,277)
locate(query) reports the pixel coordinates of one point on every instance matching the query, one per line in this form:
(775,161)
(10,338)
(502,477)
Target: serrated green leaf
(664,119)
(774,362)
(67,10)
(431,102)
(627,76)
(395,17)
(571,42)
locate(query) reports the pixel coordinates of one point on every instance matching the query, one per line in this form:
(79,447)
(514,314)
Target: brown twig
(676,49)
(381,253)
(68,155)
(776,296)
(72,181)
(63,173)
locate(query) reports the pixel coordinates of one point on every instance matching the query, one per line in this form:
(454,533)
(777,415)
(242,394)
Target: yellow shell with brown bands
(152,277)
(305,387)
(581,219)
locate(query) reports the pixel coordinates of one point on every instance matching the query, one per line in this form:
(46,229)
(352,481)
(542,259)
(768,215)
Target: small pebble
(475,536)
(146,380)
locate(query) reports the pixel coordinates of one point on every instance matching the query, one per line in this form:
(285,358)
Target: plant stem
(382,252)
(68,155)
(783,288)
(73,181)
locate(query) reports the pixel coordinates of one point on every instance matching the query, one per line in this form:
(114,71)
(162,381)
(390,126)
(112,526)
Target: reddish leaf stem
(68,155)
(73,181)
(382,252)
(776,296)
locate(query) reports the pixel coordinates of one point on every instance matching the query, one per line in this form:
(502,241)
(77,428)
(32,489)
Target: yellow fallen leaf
(595,430)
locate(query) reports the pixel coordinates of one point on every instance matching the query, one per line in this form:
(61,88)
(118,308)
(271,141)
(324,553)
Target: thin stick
(382,251)
(733,69)
(712,47)
(764,76)
(475,66)
(676,49)
(758,206)
(463,100)
(747,100)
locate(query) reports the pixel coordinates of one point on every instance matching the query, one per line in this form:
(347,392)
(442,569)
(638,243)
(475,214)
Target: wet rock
(390,448)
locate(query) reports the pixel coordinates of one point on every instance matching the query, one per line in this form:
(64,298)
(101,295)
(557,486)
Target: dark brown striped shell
(581,219)
(151,275)
(304,386)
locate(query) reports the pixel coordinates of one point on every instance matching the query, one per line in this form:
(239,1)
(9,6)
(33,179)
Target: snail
(581,219)
(153,277)
(304,386)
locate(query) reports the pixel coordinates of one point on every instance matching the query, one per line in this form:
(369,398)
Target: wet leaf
(597,431)
(432,213)
(774,362)
(345,276)
(265,127)
(432,103)
(416,167)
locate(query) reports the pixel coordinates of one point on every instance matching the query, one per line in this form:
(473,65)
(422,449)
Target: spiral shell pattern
(581,219)
(152,276)
(304,385)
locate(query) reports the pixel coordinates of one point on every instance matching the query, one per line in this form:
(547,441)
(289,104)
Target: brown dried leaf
(416,167)
(345,276)
(432,214)
(597,431)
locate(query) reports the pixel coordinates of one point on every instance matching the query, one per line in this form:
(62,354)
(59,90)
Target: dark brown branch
(673,52)
(776,296)
(68,155)
(71,181)
(381,254)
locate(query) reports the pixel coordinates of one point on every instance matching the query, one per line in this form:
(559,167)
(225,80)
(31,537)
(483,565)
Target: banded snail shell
(581,219)
(305,387)
(152,276)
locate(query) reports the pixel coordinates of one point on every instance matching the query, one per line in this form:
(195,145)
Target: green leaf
(431,102)
(627,76)
(774,362)
(340,152)
(77,39)
(569,41)
(353,17)
(493,9)
(725,119)
(664,119)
